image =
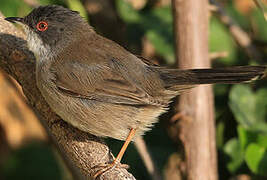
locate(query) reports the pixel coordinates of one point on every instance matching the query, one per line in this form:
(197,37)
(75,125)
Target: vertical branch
(147,159)
(197,128)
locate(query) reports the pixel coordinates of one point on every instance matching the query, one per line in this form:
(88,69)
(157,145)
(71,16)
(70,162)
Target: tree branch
(84,151)
(141,147)
(240,36)
(197,127)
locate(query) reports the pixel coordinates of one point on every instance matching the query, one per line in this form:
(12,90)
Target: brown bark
(82,150)
(197,127)
(17,119)
(174,168)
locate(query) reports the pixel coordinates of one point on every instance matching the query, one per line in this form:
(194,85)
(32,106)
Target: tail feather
(229,75)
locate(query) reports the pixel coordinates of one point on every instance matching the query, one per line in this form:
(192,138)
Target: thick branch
(197,129)
(84,151)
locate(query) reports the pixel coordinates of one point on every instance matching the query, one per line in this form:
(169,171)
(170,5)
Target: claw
(106,168)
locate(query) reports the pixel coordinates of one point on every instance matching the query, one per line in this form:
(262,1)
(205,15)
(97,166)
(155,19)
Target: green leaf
(219,134)
(262,140)
(233,149)
(248,107)
(14,8)
(261,104)
(262,6)
(76,5)
(162,47)
(156,25)
(221,40)
(158,29)
(242,103)
(256,159)
(164,14)
(127,12)
(245,137)
(259,25)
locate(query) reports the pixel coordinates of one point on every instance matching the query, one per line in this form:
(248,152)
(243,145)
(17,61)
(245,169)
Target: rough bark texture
(83,151)
(197,127)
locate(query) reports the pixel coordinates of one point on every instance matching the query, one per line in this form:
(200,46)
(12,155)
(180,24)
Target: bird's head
(51,28)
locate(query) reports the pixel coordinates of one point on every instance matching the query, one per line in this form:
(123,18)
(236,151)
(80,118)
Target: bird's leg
(119,156)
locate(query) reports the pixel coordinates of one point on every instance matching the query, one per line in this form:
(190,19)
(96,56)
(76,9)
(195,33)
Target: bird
(101,88)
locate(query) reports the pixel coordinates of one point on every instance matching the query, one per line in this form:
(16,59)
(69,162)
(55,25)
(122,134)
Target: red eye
(42,26)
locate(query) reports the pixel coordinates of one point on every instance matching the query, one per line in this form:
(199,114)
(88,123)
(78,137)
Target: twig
(262,7)
(147,159)
(174,168)
(216,55)
(84,151)
(241,37)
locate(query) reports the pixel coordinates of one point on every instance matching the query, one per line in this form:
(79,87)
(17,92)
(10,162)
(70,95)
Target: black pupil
(42,25)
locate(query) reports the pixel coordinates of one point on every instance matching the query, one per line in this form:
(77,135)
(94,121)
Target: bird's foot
(108,167)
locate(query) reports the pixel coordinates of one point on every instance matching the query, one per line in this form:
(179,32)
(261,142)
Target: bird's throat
(36,45)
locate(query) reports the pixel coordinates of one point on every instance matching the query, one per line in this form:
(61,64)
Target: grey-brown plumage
(98,86)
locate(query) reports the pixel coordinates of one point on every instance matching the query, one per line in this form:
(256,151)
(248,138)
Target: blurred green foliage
(249,108)
(241,110)
(77,6)
(32,161)
(156,25)
(220,40)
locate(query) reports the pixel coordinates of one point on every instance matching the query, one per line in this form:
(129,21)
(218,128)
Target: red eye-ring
(42,26)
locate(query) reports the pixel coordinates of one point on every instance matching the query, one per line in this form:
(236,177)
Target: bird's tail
(173,78)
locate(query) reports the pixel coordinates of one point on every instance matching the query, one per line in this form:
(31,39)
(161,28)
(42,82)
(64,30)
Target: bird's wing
(107,82)
(104,71)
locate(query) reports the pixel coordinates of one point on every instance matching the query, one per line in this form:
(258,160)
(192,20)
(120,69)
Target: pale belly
(100,118)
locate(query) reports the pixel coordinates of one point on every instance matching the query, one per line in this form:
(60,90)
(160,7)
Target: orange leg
(119,156)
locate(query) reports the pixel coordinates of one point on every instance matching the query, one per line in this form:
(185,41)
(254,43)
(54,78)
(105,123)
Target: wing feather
(100,83)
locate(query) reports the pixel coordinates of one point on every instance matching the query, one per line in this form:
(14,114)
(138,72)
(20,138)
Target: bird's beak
(14,19)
